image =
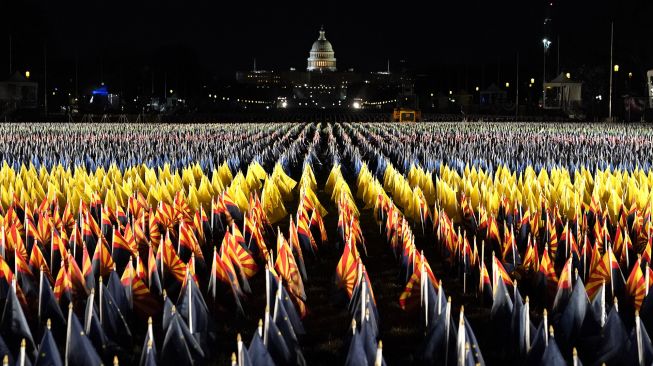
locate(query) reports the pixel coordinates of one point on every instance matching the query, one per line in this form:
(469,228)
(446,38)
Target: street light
(27,74)
(546,43)
(614,67)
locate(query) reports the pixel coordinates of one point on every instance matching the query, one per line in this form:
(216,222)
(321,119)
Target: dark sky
(208,37)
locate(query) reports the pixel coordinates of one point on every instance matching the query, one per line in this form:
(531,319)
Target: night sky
(200,40)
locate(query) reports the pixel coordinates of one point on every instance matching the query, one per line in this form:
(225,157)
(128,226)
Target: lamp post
(546,43)
(616,68)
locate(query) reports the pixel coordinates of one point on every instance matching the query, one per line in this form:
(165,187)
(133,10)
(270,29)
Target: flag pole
(277,298)
(610,268)
(517,92)
(214,277)
(68,333)
(638,334)
(3,237)
(440,291)
(545,322)
(610,69)
(267,324)
(267,286)
(602,304)
(51,246)
(239,342)
(461,337)
(41,292)
(190,300)
(447,321)
(89,311)
(363,294)
(527,328)
(74,242)
(101,286)
(426,298)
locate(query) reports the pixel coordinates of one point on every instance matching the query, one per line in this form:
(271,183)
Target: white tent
(649,79)
(563,93)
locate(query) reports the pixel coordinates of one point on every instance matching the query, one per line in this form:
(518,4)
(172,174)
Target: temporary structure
(563,93)
(18,92)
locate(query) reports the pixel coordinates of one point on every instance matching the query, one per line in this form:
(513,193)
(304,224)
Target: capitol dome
(321,56)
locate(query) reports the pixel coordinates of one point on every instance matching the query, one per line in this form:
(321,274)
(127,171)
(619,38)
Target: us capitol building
(321,86)
(322,58)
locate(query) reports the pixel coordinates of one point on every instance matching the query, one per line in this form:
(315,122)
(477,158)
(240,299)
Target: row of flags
(158,243)
(89,254)
(276,340)
(582,243)
(444,342)
(365,346)
(98,146)
(517,146)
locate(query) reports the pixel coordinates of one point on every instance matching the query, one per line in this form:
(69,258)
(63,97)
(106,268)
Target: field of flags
(311,244)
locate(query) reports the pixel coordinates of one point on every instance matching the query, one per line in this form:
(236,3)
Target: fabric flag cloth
(356,354)
(192,308)
(48,309)
(500,316)
(576,320)
(113,321)
(258,353)
(148,354)
(607,270)
(636,285)
(641,349)
(180,348)
(121,298)
(439,345)
(48,352)
(222,280)
(276,344)
(522,330)
(93,328)
(287,330)
(564,287)
(79,350)
(347,270)
(552,355)
(242,355)
(613,341)
(14,327)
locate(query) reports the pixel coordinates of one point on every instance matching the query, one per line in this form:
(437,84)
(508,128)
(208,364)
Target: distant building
(493,96)
(321,86)
(322,58)
(258,77)
(18,92)
(649,84)
(563,93)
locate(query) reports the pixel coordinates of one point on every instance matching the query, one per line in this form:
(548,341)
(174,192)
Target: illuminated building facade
(321,86)
(321,57)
